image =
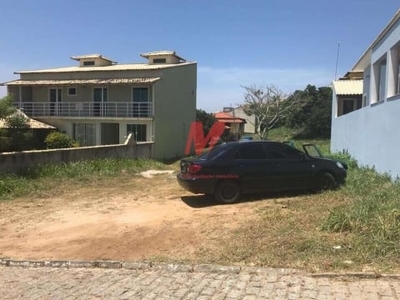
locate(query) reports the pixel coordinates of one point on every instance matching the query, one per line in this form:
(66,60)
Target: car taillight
(194,169)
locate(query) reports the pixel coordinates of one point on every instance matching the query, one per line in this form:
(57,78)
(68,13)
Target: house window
(72,91)
(138,131)
(348,106)
(380,79)
(88,63)
(85,134)
(397,71)
(141,102)
(159,61)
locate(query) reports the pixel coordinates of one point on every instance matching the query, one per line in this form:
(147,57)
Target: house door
(141,102)
(55,95)
(100,102)
(109,133)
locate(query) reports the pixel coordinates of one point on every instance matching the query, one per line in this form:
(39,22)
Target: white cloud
(218,87)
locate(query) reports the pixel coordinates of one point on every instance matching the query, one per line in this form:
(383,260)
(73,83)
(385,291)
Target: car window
(312,150)
(281,151)
(221,151)
(250,151)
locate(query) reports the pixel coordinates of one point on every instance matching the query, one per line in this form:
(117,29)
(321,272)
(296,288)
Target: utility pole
(337,59)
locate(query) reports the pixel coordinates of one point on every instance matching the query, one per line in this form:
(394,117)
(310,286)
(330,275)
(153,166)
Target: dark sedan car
(232,169)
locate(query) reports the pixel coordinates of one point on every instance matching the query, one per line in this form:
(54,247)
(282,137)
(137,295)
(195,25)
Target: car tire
(326,181)
(227,192)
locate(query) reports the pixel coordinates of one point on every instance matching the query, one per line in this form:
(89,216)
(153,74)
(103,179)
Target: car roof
(253,142)
(237,143)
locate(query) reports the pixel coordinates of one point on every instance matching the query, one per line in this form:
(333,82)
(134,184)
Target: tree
(313,114)
(7,108)
(206,119)
(16,133)
(267,104)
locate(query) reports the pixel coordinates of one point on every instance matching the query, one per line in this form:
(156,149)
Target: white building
(366,113)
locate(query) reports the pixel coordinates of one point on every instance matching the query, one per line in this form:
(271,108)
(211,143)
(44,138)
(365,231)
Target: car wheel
(227,192)
(326,181)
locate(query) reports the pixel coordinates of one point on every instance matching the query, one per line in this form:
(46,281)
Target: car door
(254,168)
(291,168)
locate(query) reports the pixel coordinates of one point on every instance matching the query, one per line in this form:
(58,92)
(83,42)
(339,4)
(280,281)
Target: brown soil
(134,219)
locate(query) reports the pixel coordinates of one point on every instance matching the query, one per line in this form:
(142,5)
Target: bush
(56,140)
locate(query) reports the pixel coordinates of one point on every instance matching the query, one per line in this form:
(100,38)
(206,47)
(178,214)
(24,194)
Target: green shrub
(56,140)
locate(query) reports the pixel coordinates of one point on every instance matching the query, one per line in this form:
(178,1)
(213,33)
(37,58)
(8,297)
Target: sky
(236,43)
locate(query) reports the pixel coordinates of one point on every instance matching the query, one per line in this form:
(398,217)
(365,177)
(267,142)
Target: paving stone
(116,280)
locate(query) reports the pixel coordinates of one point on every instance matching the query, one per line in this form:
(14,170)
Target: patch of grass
(372,217)
(356,227)
(44,178)
(282,134)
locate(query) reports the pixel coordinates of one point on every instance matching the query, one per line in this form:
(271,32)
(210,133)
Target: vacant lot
(140,218)
(130,217)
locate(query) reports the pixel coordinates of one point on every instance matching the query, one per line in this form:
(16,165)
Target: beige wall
(94,74)
(175,109)
(13,162)
(249,127)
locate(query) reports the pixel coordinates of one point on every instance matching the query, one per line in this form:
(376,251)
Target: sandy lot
(133,219)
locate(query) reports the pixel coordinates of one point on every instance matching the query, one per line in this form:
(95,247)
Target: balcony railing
(87,109)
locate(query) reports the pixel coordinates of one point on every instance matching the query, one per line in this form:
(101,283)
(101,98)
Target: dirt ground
(134,219)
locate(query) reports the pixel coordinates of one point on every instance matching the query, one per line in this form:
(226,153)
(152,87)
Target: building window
(88,63)
(397,70)
(141,102)
(85,134)
(72,91)
(141,94)
(138,131)
(348,106)
(380,80)
(159,61)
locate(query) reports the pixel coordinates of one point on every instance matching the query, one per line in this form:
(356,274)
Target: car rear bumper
(196,185)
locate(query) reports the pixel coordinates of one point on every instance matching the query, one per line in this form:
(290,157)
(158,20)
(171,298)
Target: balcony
(87,109)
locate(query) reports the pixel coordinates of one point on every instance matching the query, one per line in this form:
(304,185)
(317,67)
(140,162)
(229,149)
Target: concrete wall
(371,136)
(13,162)
(174,110)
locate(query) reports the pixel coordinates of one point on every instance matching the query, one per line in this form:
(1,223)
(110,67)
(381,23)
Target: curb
(146,266)
(200,268)
(359,275)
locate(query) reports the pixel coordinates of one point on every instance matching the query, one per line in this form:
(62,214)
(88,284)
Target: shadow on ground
(200,201)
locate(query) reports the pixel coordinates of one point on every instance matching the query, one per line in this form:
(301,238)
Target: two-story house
(99,101)
(366,105)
